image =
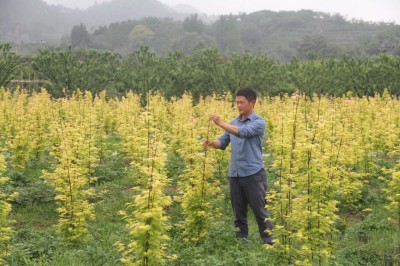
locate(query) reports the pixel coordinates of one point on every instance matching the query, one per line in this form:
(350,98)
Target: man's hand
(215,118)
(230,128)
(207,143)
(212,143)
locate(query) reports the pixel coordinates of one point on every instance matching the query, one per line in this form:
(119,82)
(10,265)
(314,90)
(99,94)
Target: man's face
(244,106)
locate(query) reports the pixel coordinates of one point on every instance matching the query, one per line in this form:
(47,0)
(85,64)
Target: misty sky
(368,10)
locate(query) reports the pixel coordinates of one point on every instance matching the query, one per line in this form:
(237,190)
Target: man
(247,177)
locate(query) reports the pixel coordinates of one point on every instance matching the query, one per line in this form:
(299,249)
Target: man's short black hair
(249,93)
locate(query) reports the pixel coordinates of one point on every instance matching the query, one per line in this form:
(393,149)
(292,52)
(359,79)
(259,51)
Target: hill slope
(32,21)
(121,10)
(124,25)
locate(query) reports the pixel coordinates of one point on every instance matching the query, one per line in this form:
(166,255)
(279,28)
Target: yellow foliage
(323,151)
(5,208)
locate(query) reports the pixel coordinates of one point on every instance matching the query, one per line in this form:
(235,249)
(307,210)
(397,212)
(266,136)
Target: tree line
(124,25)
(281,35)
(206,71)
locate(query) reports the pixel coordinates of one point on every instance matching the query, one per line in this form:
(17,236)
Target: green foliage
(33,193)
(31,244)
(9,64)
(221,248)
(227,34)
(251,71)
(371,241)
(207,71)
(80,36)
(71,69)
(140,35)
(112,168)
(140,72)
(282,35)
(193,24)
(278,34)
(313,44)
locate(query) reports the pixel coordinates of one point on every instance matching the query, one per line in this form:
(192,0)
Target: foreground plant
(75,155)
(5,208)
(145,215)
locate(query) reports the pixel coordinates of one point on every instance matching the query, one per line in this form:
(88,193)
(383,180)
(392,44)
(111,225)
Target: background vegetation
(122,26)
(150,193)
(202,73)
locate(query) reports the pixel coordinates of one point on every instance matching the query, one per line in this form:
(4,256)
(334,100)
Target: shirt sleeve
(225,139)
(254,128)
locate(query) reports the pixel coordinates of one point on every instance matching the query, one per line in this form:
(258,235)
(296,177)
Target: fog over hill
(125,25)
(49,23)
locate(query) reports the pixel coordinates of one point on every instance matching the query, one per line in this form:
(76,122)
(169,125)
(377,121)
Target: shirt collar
(250,117)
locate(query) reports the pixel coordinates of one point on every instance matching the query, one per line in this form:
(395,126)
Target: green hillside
(123,26)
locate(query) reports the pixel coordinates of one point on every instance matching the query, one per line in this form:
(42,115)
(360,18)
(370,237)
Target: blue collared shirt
(246,154)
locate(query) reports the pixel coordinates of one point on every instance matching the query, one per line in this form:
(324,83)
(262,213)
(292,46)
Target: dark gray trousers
(250,190)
